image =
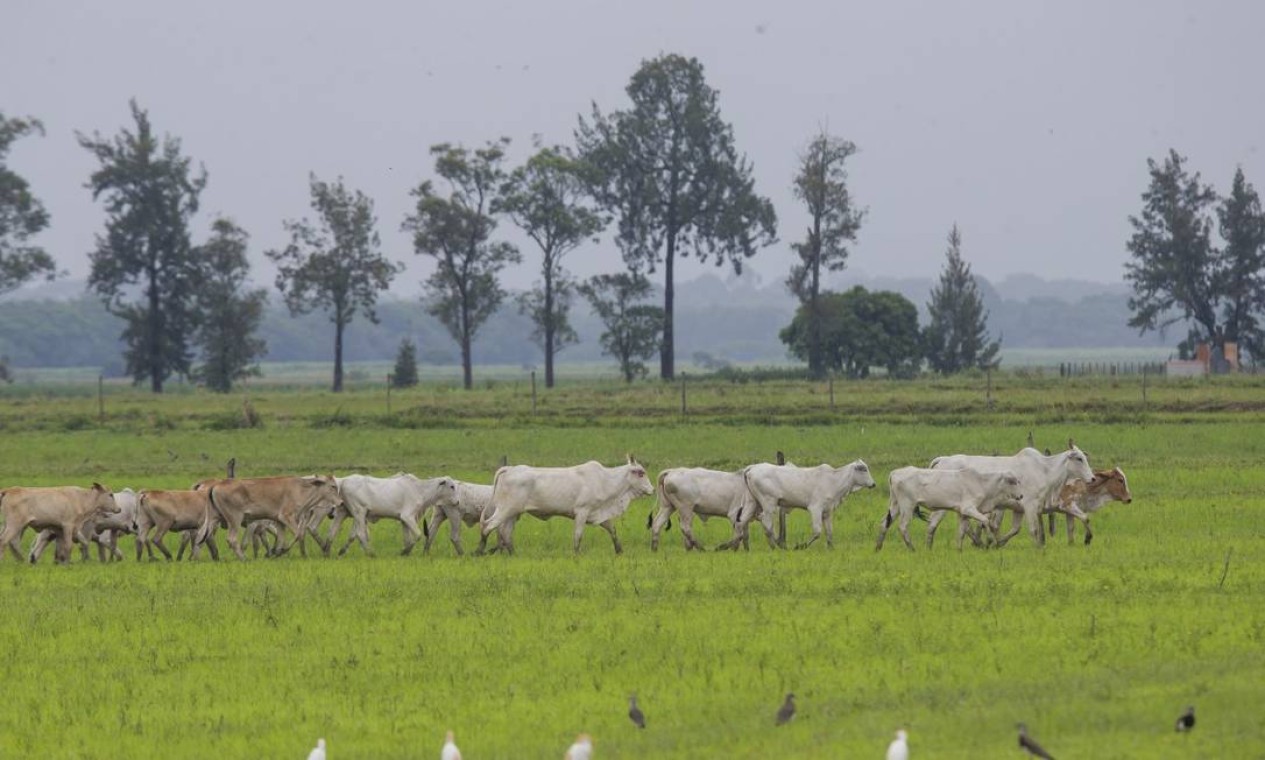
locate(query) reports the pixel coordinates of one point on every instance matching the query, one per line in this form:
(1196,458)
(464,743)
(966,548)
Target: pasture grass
(1097,648)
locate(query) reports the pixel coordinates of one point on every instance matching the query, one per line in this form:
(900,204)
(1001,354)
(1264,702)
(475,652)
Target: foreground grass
(1096,648)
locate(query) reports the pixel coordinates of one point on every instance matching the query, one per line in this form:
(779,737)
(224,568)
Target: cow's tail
(209,518)
(661,502)
(489,523)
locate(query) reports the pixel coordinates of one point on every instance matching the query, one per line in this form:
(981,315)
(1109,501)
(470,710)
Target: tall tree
(150,194)
(957,336)
(546,197)
(230,314)
(667,167)
(336,264)
(1174,272)
(22,215)
(860,329)
(632,327)
(456,230)
(1242,263)
(822,185)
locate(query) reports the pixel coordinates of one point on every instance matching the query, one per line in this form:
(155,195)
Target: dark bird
(1187,720)
(787,710)
(634,712)
(1028,745)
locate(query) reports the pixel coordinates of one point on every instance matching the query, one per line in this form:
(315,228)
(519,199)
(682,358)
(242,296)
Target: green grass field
(1097,648)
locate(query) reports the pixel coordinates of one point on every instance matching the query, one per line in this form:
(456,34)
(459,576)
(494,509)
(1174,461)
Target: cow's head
(1011,487)
(861,476)
(446,492)
(327,497)
(1114,483)
(103,503)
(1077,463)
(637,480)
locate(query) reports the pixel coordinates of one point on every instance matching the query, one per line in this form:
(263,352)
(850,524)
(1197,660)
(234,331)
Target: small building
(1208,360)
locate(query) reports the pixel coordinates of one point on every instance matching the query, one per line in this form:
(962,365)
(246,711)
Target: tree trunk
(154,319)
(816,365)
(550,326)
(667,350)
(467,371)
(339,325)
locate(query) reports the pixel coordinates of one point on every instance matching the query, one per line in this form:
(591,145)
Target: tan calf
(64,509)
(181,511)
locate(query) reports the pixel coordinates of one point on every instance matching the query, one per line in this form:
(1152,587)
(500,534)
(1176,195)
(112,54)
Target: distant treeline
(739,325)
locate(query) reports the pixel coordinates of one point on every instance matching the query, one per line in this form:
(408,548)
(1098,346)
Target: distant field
(1096,648)
(375,373)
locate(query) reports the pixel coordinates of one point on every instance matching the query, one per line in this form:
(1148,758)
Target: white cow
(103,531)
(1042,476)
(402,497)
(589,493)
(691,491)
(473,499)
(818,489)
(970,493)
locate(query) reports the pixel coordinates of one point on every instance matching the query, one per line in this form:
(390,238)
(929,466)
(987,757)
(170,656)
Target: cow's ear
(1070,444)
(98,487)
(631,459)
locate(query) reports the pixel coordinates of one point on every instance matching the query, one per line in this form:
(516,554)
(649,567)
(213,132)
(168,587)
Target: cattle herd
(274,513)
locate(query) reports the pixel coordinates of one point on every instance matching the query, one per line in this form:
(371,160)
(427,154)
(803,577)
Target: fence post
(781,513)
(390,382)
(988,373)
(533,393)
(101,399)
(682,394)
(1144,373)
(832,391)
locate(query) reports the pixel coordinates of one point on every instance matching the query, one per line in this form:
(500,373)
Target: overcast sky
(1027,123)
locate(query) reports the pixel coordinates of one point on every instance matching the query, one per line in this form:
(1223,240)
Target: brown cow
(1089,497)
(294,503)
(162,511)
(66,509)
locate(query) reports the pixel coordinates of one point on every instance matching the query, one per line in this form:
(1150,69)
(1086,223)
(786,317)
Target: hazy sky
(1027,123)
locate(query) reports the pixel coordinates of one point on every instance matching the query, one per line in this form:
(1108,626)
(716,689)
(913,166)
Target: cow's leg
(660,519)
(234,537)
(814,512)
(10,539)
(115,554)
(432,524)
(687,530)
(906,517)
(360,531)
(160,530)
(609,526)
(335,525)
(1032,517)
(186,542)
(828,517)
(933,522)
(767,515)
(412,533)
(1089,534)
(1015,526)
(505,536)
(65,543)
(577,535)
(454,534)
(42,540)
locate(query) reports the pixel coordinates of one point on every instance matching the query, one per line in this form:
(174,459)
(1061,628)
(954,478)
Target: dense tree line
(666,170)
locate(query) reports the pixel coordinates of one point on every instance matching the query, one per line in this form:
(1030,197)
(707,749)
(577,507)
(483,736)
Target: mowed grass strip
(1097,648)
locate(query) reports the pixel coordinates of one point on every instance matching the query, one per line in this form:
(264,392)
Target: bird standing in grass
(634,712)
(1028,745)
(450,751)
(787,711)
(318,753)
(899,748)
(1186,721)
(582,749)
